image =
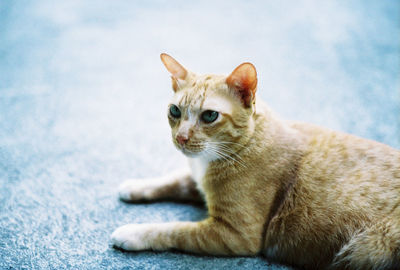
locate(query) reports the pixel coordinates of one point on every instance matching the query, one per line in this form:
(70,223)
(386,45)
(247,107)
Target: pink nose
(182,139)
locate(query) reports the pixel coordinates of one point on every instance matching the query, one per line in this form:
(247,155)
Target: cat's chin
(190,154)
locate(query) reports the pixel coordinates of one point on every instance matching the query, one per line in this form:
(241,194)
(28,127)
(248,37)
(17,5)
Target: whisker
(224,146)
(230,151)
(225,142)
(226,154)
(213,151)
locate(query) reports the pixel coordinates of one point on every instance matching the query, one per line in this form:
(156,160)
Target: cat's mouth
(190,150)
(189,153)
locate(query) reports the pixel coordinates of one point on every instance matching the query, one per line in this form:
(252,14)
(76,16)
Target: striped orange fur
(297,193)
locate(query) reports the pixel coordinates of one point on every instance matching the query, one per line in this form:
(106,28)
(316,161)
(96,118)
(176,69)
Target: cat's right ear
(178,72)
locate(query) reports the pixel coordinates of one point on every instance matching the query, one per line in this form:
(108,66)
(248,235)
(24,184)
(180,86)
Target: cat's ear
(243,80)
(178,72)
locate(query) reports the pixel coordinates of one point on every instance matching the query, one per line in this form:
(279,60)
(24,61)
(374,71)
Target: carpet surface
(83,99)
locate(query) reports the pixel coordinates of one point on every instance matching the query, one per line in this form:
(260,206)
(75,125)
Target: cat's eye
(174,111)
(209,116)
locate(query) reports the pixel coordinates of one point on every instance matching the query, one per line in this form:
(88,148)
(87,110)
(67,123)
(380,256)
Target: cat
(297,193)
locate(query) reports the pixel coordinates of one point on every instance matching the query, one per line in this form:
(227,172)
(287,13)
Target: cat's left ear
(178,72)
(243,80)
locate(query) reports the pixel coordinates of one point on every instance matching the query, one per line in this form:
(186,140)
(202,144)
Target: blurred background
(83,98)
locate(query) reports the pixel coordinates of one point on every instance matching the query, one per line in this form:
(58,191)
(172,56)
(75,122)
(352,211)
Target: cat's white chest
(199,168)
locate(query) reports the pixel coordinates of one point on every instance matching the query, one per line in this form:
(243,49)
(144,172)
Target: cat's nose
(182,139)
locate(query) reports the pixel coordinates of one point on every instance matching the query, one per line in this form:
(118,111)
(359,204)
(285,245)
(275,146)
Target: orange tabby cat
(295,192)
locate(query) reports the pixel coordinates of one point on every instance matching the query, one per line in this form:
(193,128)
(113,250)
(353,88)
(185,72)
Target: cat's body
(295,192)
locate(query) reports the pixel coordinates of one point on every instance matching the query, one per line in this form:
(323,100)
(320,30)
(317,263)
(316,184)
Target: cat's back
(350,171)
(344,183)
(348,151)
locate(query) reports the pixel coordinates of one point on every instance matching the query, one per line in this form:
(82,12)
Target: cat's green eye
(209,116)
(174,111)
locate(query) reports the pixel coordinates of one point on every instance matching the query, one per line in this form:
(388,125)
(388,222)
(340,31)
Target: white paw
(125,189)
(138,189)
(131,237)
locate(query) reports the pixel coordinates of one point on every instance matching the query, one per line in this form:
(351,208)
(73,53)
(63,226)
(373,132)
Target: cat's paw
(131,237)
(137,190)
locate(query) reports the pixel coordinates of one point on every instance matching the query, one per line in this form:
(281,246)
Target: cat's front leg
(205,237)
(178,185)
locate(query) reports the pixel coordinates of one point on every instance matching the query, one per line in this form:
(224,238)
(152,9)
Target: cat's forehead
(206,92)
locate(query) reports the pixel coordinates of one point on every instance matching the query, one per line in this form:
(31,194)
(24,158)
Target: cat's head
(211,115)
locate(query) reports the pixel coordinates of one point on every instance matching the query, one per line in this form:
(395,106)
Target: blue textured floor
(83,97)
